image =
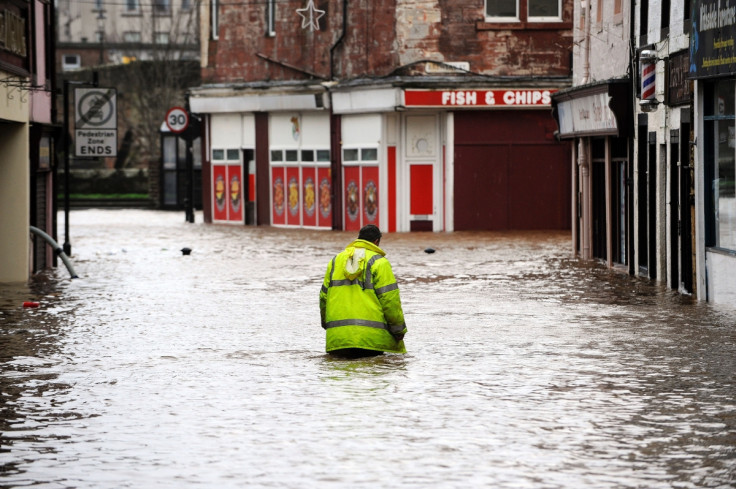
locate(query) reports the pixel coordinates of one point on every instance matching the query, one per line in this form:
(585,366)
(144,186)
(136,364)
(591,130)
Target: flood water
(526,367)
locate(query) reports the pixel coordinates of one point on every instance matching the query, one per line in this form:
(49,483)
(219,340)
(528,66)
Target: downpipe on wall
(57,249)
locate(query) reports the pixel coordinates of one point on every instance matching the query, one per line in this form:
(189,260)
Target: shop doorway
(422,165)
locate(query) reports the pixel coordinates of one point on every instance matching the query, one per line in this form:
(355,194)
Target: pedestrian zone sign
(95,122)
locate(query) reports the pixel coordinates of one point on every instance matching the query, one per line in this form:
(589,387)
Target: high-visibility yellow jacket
(359,301)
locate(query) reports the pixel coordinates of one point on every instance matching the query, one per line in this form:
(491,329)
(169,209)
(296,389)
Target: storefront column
(609,214)
(575,218)
(586,229)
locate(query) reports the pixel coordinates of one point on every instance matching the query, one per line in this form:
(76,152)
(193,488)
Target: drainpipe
(585,198)
(57,249)
(339,39)
(585,5)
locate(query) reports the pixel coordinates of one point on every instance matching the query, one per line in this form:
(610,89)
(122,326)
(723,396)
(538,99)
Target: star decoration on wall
(310,16)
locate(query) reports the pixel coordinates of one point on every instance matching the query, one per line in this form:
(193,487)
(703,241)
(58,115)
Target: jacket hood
(355,264)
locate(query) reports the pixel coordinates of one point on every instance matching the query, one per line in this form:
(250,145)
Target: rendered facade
(27,137)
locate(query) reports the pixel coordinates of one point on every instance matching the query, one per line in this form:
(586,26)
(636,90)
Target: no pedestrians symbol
(96,122)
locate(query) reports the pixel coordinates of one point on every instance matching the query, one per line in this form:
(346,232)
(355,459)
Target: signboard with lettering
(712,36)
(533,98)
(678,84)
(96,122)
(588,115)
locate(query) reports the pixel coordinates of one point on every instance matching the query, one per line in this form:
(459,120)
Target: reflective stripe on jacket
(359,301)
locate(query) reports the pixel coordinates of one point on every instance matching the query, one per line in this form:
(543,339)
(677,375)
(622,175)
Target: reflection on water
(526,368)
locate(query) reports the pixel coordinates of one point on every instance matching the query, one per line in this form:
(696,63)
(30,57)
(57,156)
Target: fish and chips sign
(712,38)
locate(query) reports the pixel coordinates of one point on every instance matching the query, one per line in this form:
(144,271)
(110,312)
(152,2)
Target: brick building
(414,115)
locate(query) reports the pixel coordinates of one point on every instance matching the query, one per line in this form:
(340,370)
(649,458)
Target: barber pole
(648,75)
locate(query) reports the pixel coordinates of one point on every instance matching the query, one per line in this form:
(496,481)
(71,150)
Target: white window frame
(71,66)
(517,17)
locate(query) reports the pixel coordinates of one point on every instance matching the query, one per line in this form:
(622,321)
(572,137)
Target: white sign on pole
(96,122)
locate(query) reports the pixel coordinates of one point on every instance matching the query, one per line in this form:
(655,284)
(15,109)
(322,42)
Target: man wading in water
(359,301)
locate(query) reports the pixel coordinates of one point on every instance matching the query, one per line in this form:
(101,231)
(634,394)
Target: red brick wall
(381,36)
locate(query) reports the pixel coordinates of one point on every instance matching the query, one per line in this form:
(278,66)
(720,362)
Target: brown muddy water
(526,368)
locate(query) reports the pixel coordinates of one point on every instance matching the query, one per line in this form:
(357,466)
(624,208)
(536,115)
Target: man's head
(370,233)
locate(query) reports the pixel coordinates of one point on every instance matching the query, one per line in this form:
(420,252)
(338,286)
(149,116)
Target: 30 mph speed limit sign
(177,119)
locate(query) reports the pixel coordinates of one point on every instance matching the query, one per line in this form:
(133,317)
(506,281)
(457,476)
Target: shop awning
(599,109)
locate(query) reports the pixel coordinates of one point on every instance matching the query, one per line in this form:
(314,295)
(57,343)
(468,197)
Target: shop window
(720,164)
(369,154)
(277,155)
(349,155)
(536,11)
(218,155)
(323,155)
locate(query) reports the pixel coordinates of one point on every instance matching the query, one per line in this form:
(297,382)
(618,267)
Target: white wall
(609,48)
(721,284)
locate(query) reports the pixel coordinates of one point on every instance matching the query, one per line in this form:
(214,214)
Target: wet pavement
(526,367)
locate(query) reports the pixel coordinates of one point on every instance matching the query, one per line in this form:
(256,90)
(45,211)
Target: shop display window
(720,164)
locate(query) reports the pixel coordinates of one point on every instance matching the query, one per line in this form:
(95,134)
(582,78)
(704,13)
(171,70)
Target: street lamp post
(101,34)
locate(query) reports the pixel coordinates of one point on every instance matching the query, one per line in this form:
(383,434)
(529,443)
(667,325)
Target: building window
(502,10)
(162,38)
(71,62)
(161,6)
(132,37)
(271,18)
(186,4)
(214,19)
(544,10)
(536,11)
(720,164)
(132,6)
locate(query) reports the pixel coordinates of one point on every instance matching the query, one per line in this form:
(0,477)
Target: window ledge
(721,251)
(521,26)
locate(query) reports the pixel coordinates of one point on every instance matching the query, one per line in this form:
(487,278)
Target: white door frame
(420,145)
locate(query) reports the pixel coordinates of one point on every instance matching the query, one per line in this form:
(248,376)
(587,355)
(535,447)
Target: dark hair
(370,233)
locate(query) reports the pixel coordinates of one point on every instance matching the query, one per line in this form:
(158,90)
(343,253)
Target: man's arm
(323,295)
(387,291)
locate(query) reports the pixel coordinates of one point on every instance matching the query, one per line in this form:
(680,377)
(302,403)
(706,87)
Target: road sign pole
(65,145)
(190,179)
